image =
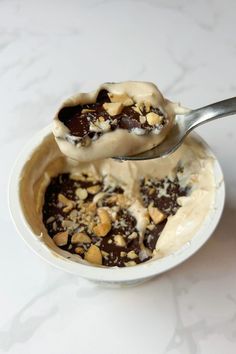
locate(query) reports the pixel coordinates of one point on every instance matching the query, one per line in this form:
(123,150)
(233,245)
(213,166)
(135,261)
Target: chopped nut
(81,193)
(119,241)
(132,255)
(50,219)
(156,215)
(92,178)
(104,227)
(142,119)
(91,208)
(113,109)
(151,191)
(98,243)
(133,236)
(147,106)
(101,230)
(109,241)
(69,204)
(114,213)
(150,227)
(61,238)
(122,98)
(79,250)
(112,199)
(76,177)
(93,255)
(122,200)
(105,125)
(94,189)
(80,237)
(119,199)
(105,254)
(69,224)
(153,118)
(73,214)
(87,110)
(100,125)
(93,127)
(138,110)
(91,226)
(130,263)
(98,197)
(123,254)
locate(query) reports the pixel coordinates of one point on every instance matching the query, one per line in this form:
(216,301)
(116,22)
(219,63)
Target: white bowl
(111,276)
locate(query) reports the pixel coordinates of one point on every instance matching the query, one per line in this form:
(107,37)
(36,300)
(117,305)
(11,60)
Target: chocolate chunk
(79,119)
(69,207)
(163,194)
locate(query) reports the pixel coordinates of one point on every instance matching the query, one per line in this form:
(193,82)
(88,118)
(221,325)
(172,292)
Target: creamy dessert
(107,213)
(118,119)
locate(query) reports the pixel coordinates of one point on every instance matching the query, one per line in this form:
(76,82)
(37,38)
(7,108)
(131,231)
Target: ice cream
(147,209)
(118,119)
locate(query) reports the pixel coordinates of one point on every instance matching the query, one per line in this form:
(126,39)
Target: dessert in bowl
(117,119)
(115,222)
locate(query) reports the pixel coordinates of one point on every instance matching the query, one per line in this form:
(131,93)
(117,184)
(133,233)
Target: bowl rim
(114,274)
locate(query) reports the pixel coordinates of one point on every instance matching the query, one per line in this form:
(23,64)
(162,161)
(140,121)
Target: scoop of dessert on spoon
(183,125)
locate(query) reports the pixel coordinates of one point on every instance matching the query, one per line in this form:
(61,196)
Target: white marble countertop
(50,49)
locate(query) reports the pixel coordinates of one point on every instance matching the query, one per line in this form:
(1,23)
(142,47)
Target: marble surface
(50,49)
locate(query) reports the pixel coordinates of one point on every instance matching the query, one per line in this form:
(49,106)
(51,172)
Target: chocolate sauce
(78,122)
(162,194)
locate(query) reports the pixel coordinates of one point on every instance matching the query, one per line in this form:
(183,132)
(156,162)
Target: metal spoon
(183,125)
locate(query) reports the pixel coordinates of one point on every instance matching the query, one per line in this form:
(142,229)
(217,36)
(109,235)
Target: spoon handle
(210,112)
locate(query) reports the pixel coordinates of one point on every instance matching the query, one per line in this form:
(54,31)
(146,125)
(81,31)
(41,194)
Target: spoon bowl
(183,125)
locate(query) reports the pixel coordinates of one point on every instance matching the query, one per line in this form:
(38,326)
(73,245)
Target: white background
(51,49)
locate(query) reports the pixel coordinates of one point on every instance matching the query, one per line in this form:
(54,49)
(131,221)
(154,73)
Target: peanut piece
(147,106)
(138,110)
(153,118)
(119,241)
(132,255)
(105,254)
(133,236)
(61,238)
(87,110)
(123,254)
(50,219)
(73,215)
(104,227)
(142,119)
(150,227)
(130,263)
(112,199)
(79,250)
(122,200)
(80,237)
(94,189)
(100,125)
(122,98)
(91,208)
(156,215)
(69,204)
(93,255)
(101,119)
(113,109)
(81,193)
(76,177)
